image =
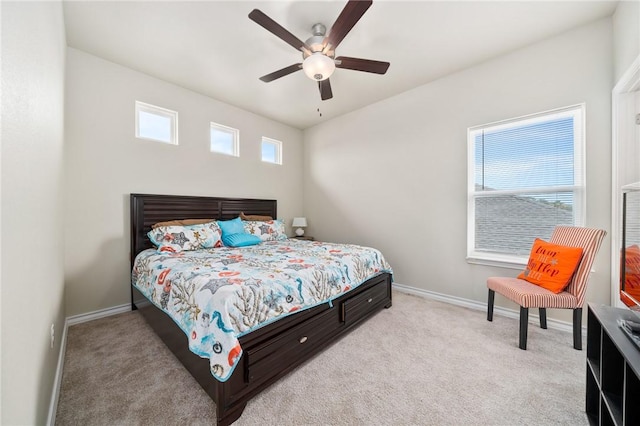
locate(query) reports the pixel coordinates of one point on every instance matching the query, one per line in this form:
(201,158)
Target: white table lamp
(299,223)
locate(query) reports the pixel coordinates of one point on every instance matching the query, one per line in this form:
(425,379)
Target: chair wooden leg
(577,329)
(524,320)
(543,318)
(492,295)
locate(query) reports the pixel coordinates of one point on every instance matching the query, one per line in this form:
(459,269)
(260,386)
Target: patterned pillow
(181,222)
(175,239)
(270,230)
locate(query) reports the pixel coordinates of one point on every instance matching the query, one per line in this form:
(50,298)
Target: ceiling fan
(318,51)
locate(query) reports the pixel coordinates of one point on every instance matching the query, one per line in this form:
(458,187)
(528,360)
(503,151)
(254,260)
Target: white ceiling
(213,48)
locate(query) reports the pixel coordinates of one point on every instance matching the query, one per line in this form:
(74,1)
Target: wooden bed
(269,352)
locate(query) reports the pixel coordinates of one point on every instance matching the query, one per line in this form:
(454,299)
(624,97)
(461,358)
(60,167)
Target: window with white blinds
(526,176)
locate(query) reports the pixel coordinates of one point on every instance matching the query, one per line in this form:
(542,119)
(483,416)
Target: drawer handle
(370,300)
(303,339)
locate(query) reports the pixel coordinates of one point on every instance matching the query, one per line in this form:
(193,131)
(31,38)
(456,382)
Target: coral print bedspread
(217,295)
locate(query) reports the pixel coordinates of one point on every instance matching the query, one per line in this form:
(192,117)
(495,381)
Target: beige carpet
(421,362)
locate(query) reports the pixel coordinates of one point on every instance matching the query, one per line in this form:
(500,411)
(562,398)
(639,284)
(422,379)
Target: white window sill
(500,262)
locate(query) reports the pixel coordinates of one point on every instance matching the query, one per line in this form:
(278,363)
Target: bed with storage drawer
(247,355)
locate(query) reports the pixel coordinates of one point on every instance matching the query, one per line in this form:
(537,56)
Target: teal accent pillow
(240,240)
(233,226)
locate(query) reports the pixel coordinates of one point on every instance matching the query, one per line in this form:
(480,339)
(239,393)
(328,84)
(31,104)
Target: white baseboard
(76,319)
(472,304)
(90,316)
(57,380)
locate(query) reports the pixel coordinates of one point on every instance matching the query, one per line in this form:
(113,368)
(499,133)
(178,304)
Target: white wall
(105,163)
(394,174)
(626,104)
(33,61)
(626,36)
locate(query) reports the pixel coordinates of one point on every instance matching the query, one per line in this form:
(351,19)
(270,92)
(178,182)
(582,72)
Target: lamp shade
(299,222)
(318,66)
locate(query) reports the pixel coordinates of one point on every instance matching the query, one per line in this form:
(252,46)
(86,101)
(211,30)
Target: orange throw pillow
(551,266)
(632,271)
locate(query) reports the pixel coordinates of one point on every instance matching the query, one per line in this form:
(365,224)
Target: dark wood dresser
(613,369)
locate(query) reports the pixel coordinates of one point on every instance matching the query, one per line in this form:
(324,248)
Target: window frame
(229,130)
(162,112)
(578,112)
(277,144)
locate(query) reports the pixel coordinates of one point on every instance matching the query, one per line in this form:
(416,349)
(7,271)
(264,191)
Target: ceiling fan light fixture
(318,67)
(319,51)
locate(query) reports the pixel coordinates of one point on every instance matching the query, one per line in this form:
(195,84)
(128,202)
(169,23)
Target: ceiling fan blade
(325,89)
(281,73)
(351,14)
(278,30)
(366,65)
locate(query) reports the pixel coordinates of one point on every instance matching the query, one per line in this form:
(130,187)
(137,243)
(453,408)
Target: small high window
(271,151)
(225,140)
(156,123)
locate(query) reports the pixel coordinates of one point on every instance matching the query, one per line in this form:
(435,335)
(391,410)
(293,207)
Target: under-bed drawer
(359,306)
(292,346)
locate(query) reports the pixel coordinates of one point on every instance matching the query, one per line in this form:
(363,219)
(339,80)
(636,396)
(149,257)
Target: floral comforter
(217,295)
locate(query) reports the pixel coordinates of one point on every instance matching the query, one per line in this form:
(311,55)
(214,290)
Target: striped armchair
(529,295)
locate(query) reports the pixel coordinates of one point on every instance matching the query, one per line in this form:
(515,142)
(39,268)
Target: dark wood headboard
(147,209)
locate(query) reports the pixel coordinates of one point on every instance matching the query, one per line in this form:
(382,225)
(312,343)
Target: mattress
(217,295)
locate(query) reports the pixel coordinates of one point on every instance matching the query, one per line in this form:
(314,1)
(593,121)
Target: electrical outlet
(53,335)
